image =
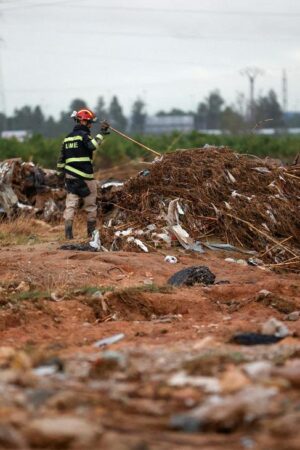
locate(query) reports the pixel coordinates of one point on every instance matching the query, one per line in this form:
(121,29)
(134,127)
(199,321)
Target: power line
(61,3)
(37,5)
(181,36)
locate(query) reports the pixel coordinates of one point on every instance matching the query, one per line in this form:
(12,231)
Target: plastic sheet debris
(50,367)
(122,233)
(138,242)
(171,259)
(109,184)
(227,247)
(144,173)
(165,237)
(95,242)
(174,209)
(110,340)
(185,240)
(93,246)
(255,339)
(191,276)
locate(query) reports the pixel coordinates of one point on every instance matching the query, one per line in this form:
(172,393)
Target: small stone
(242,262)
(258,370)
(109,362)
(23,287)
(293,316)
(97,294)
(233,380)
(275,327)
(231,260)
(62,431)
(55,297)
(11,438)
(264,293)
(290,372)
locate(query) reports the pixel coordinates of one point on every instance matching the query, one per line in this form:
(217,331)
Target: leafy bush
(116,150)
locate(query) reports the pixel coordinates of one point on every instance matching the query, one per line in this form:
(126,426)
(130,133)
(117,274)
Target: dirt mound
(242,200)
(140,303)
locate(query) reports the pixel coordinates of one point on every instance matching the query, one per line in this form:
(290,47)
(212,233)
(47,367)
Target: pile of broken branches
(239,199)
(26,188)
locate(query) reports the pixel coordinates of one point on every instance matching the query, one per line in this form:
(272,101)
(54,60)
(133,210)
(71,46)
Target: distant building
(19,135)
(168,123)
(277,131)
(213,132)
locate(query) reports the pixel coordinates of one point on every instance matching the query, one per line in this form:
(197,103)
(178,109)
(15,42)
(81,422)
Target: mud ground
(56,304)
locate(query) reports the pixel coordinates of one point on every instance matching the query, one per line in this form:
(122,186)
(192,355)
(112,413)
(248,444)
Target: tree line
(211,113)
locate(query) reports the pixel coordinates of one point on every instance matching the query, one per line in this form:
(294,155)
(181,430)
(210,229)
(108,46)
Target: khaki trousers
(89,203)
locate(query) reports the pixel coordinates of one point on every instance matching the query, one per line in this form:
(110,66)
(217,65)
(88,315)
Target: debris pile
(192,194)
(25,187)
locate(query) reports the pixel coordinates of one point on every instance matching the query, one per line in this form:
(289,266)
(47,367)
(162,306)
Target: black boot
(91,226)
(69,229)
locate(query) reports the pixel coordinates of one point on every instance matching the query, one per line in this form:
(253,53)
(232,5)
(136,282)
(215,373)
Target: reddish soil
(134,408)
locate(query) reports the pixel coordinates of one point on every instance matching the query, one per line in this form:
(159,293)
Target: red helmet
(84,114)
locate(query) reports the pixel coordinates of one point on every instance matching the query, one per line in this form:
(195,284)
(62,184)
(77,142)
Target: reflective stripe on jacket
(76,155)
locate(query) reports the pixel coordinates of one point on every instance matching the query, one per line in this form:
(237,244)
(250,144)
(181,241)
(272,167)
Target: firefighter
(75,164)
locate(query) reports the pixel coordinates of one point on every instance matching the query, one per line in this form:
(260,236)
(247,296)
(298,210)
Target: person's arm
(61,162)
(94,143)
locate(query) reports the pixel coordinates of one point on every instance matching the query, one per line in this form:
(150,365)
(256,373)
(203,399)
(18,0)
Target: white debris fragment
(185,240)
(275,327)
(112,184)
(171,259)
(127,232)
(95,242)
(261,169)
(210,385)
(236,194)
(230,177)
(139,243)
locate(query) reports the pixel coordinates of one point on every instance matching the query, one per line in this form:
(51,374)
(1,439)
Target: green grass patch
(7,239)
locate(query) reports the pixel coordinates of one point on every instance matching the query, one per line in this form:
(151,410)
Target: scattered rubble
(189,194)
(186,196)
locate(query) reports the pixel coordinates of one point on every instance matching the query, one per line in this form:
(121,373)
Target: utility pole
(284,91)
(252,73)
(2,94)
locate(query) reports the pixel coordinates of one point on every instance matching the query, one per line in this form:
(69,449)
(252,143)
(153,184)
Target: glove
(104,127)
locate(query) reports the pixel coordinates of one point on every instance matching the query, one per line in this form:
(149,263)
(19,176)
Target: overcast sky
(169,52)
